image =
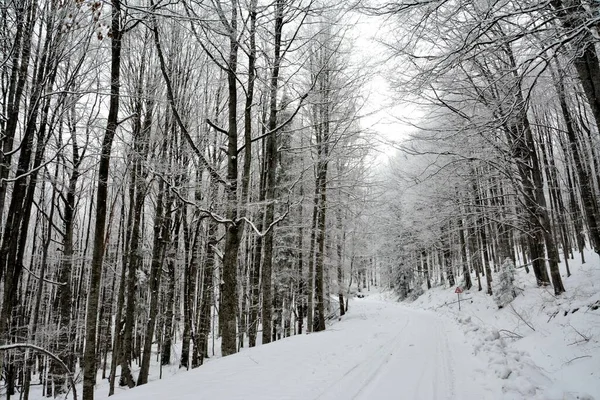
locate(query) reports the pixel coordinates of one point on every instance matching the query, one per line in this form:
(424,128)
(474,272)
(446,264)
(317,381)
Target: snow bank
(541,346)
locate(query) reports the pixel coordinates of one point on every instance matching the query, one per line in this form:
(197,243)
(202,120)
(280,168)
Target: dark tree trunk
(575,209)
(162,229)
(320,240)
(586,189)
(65,350)
(207,293)
(340,266)
(463,252)
(524,152)
(170,298)
(572,14)
(25,22)
(229,295)
(89,356)
(189,285)
(271,167)
(116,353)
(426,268)
(479,242)
(311,263)
(301,296)
(255,289)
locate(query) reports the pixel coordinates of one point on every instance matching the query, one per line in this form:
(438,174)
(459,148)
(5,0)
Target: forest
(199,175)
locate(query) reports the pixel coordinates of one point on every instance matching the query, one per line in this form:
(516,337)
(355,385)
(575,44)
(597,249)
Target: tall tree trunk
(65,349)
(116,353)
(575,209)
(162,229)
(479,241)
(254,280)
(340,259)
(34,319)
(311,263)
(89,356)
(170,297)
(189,285)
(207,292)
(320,237)
(555,197)
(255,288)
(572,14)
(533,186)
(229,296)
(463,252)
(586,189)
(25,22)
(301,295)
(134,260)
(271,166)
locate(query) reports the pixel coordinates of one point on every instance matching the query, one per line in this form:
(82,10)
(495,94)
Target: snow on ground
(541,346)
(380,350)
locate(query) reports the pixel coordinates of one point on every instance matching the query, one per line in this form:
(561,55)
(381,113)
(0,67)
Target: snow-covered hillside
(540,345)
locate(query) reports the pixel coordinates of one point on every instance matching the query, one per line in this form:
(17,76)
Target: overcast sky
(384,110)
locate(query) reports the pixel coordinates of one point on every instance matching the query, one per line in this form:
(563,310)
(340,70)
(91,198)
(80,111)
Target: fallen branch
(585,338)
(521,318)
(510,334)
(576,358)
(553,315)
(577,342)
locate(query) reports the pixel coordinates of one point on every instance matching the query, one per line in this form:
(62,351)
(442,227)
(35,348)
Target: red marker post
(458,291)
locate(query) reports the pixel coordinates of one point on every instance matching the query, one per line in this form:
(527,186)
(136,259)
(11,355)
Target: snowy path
(380,350)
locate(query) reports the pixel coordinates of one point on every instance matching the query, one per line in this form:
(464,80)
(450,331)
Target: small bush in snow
(505,290)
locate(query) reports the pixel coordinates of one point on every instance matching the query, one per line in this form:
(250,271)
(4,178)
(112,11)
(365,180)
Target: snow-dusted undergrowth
(541,346)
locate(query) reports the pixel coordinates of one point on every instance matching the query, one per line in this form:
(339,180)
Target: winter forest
(184,180)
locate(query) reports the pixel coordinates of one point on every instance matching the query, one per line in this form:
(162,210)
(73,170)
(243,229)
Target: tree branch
(211,170)
(53,356)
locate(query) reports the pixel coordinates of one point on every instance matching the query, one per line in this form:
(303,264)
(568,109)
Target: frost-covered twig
(553,315)
(576,358)
(521,318)
(585,338)
(510,334)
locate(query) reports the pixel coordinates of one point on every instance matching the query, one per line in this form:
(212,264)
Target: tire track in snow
(385,361)
(369,366)
(433,374)
(445,353)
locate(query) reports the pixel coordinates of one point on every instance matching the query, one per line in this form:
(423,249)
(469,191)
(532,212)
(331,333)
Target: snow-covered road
(406,355)
(380,350)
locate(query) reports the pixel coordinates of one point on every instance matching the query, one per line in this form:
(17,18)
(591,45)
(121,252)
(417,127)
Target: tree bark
(229,296)
(586,189)
(162,227)
(271,168)
(571,14)
(89,356)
